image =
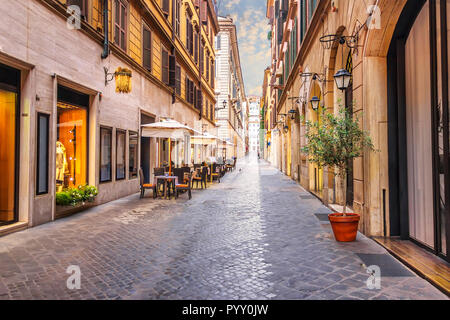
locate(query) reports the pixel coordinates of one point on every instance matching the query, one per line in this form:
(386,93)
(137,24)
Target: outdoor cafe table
(167,180)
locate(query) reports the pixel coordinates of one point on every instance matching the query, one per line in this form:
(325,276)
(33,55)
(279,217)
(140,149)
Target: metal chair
(146,186)
(184,187)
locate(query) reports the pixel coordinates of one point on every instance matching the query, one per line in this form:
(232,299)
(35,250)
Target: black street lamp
(342,78)
(292,113)
(315,101)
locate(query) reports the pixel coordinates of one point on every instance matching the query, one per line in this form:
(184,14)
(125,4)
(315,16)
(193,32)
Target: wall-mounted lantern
(343,78)
(315,101)
(122,77)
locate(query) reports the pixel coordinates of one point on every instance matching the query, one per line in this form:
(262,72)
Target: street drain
(388,265)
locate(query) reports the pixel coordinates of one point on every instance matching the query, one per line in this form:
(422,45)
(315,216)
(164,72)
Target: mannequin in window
(62,166)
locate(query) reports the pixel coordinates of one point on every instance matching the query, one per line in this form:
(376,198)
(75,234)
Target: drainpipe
(105,52)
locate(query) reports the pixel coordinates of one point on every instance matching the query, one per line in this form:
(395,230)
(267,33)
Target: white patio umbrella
(169,129)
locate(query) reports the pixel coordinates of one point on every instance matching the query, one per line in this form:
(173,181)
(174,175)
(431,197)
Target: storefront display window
(105,154)
(133,154)
(71,144)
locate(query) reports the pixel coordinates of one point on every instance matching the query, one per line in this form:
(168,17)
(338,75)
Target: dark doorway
(418,127)
(146,144)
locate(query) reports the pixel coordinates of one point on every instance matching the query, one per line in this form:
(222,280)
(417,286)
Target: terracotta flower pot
(345,228)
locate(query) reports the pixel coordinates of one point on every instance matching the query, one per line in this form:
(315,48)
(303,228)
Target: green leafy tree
(336,140)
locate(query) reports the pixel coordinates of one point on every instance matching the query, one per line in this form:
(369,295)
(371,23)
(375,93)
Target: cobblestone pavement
(253,236)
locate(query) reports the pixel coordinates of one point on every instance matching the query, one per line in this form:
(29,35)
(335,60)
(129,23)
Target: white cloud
(254,48)
(232,3)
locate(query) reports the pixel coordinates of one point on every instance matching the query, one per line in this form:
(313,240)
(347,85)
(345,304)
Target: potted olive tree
(333,142)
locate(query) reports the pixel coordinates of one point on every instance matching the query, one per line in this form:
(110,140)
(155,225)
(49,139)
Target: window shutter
(204,11)
(187,34)
(212,74)
(191,92)
(186,90)
(147,52)
(202,54)
(172,66)
(191,38)
(165,66)
(199,99)
(166,6)
(196,47)
(178,79)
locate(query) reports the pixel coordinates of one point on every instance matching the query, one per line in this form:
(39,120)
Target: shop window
(71,144)
(42,153)
(133,154)
(120,154)
(105,154)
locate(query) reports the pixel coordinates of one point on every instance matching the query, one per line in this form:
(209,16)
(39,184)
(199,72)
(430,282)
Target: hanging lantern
(292,113)
(123,80)
(315,101)
(342,78)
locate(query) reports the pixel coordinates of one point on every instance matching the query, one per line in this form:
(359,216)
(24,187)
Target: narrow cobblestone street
(253,236)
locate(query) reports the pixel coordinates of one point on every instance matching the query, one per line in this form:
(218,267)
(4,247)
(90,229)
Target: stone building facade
(397,53)
(230,107)
(65,122)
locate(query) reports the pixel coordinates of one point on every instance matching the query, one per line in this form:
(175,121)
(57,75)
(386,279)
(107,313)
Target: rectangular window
(42,153)
(165,66)
(120,154)
(147,48)
(218,42)
(177,16)
(105,154)
(120,23)
(207,67)
(133,154)
(212,74)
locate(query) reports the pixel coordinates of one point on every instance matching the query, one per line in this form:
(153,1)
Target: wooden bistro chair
(215,172)
(202,178)
(182,185)
(145,186)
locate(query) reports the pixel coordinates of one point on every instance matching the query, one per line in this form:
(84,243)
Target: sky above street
(254,48)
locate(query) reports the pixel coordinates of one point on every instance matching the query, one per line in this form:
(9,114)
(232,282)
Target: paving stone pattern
(253,236)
